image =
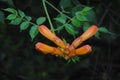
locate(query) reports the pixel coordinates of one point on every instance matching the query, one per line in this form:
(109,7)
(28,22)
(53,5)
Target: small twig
(104,15)
(63,25)
(114,13)
(57,9)
(29,22)
(53,7)
(114,20)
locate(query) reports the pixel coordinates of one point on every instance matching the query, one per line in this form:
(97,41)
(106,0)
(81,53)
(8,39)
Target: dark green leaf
(87,9)
(63,10)
(9,2)
(104,30)
(11,10)
(91,16)
(59,28)
(81,18)
(24,25)
(33,31)
(76,22)
(11,16)
(97,35)
(86,26)
(28,18)
(16,21)
(86,15)
(64,41)
(84,11)
(40,20)
(74,59)
(77,8)
(70,29)
(61,18)
(76,2)
(65,3)
(21,13)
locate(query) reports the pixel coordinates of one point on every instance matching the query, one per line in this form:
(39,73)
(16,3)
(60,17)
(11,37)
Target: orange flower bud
(66,50)
(89,33)
(83,50)
(80,51)
(48,49)
(48,34)
(86,35)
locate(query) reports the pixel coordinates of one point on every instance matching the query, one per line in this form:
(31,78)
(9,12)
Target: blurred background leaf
(9,2)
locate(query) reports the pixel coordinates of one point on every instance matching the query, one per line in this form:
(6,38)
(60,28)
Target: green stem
(30,22)
(57,9)
(46,11)
(24,19)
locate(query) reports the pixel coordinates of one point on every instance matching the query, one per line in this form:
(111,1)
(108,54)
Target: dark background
(20,61)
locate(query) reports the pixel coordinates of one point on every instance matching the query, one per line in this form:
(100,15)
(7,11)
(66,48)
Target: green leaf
(16,21)
(11,16)
(74,59)
(86,14)
(81,18)
(61,18)
(69,28)
(86,26)
(76,22)
(63,10)
(87,9)
(33,32)
(59,28)
(97,35)
(21,13)
(40,20)
(11,10)
(64,41)
(104,30)
(65,3)
(91,16)
(24,25)
(77,8)
(83,12)
(28,18)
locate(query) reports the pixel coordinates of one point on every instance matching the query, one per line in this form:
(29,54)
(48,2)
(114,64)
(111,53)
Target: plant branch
(104,15)
(57,9)
(63,25)
(46,11)
(30,22)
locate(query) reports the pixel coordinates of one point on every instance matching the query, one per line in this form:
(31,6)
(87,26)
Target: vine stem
(46,11)
(57,9)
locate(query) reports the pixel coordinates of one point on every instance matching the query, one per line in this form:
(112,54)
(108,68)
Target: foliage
(19,18)
(79,19)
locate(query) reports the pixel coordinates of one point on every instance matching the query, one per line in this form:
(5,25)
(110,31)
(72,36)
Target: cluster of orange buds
(65,49)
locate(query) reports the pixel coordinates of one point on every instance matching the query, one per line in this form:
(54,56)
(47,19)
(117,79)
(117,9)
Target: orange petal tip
(84,50)
(47,49)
